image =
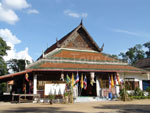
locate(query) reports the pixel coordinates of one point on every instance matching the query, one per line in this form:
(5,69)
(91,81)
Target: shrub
(140,97)
(51,97)
(124,94)
(148,90)
(66,94)
(138,92)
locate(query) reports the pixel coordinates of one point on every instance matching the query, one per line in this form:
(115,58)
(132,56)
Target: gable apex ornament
(81,23)
(101,49)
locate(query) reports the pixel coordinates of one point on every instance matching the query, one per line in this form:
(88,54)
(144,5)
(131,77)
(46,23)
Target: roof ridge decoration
(71,49)
(81,21)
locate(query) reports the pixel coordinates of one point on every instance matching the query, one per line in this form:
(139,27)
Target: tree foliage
(3,49)
(147,45)
(111,55)
(2,87)
(3,67)
(136,53)
(17,65)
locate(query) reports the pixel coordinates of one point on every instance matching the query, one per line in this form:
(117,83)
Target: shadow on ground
(38,110)
(130,108)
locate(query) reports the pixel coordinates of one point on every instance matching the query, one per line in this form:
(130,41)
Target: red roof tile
(83,55)
(56,65)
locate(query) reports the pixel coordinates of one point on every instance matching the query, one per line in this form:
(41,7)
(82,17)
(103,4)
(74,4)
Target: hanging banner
(81,81)
(54,89)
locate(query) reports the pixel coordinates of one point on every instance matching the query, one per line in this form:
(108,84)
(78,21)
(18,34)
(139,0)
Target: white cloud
(11,41)
(15,4)
(8,8)
(138,34)
(33,11)
(75,15)
(24,55)
(126,32)
(9,37)
(8,15)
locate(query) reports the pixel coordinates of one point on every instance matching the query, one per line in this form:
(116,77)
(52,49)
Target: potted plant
(51,98)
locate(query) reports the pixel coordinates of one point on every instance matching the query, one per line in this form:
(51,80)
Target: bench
(24,95)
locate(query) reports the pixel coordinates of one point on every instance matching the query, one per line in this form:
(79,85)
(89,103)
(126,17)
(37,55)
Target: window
(146,83)
(131,84)
(104,83)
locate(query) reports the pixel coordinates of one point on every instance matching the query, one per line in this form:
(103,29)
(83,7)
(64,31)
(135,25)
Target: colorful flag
(85,83)
(68,79)
(72,80)
(77,79)
(81,81)
(112,81)
(109,83)
(118,78)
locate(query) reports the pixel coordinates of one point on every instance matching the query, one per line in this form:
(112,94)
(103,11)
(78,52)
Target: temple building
(143,63)
(77,55)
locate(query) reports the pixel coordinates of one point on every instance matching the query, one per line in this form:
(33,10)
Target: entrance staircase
(90,99)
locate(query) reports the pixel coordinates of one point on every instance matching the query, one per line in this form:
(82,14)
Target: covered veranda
(36,80)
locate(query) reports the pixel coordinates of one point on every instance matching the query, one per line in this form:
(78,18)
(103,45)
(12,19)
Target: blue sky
(30,25)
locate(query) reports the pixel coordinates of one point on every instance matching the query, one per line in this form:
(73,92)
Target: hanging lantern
(92,78)
(62,77)
(27,77)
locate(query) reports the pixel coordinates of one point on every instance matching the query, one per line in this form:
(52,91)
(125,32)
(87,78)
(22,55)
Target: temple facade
(76,56)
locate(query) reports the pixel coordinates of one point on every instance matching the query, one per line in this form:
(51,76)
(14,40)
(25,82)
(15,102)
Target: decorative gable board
(79,40)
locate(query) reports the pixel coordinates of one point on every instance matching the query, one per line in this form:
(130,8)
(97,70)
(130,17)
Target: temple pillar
(140,84)
(98,88)
(34,84)
(117,90)
(117,86)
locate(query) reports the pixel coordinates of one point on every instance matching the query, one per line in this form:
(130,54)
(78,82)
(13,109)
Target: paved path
(136,106)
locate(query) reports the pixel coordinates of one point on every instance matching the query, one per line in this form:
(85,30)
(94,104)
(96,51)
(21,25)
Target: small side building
(144,64)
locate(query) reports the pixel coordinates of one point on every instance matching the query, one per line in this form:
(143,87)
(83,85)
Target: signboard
(54,89)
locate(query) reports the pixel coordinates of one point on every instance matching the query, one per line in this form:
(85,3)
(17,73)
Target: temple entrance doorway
(90,90)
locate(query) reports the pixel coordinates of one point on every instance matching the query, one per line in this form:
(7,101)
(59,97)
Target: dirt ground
(135,106)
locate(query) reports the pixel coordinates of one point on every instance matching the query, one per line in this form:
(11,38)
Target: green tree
(147,45)
(111,55)
(124,57)
(2,87)
(17,65)
(3,66)
(133,54)
(3,49)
